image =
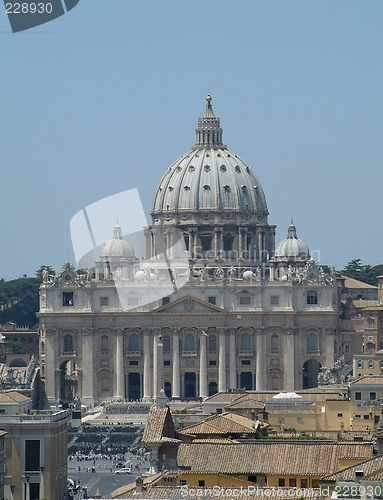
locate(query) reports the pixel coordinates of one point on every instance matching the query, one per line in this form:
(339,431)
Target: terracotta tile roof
(353,283)
(247,402)
(251,492)
(224,397)
(309,459)
(159,426)
(370,467)
(368,380)
(12,397)
(224,423)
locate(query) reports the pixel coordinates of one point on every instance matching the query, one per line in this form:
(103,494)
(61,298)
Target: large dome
(209,178)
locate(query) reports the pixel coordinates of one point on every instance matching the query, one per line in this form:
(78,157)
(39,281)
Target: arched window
(370,363)
(360,363)
(312,343)
(104,344)
(68,343)
(274,343)
(134,343)
(42,347)
(245,342)
(213,389)
(168,389)
(212,343)
(166,344)
(189,343)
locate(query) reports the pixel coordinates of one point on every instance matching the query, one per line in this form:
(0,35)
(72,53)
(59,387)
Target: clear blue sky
(104,99)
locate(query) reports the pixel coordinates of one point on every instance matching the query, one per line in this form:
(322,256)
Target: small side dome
(292,248)
(117,247)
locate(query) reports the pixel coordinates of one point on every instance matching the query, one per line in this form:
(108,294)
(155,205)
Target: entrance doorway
(190,385)
(134,386)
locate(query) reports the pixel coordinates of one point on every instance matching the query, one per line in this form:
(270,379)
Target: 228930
(28,8)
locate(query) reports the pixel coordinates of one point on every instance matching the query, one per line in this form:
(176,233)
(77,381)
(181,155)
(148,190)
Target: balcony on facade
(190,354)
(69,354)
(246,352)
(133,354)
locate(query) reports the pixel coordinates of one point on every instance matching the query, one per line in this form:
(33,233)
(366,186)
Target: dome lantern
(208,132)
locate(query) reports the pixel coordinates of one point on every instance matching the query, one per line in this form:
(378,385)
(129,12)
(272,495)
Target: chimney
(359,474)
(139,484)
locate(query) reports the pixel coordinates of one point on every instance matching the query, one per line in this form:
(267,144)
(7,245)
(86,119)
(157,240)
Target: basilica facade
(213,304)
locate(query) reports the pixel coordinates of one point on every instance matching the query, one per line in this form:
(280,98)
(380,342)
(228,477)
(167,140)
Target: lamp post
(42,492)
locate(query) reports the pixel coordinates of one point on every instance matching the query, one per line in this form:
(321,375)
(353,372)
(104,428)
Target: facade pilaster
(119,392)
(289,357)
(222,361)
(232,360)
(146,348)
(176,385)
(203,389)
(87,367)
(260,368)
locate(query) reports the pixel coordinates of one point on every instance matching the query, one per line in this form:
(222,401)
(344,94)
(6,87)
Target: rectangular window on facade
(104,301)
(274,300)
(312,297)
(340,415)
(133,363)
(366,417)
(167,362)
(201,482)
(67,299)
(245,301)
(246,362)
(292,482)
(165,300)
(212,300)
(212,362)
(281,481)
(372,396)
(304,483)
(32,455)
(358,396)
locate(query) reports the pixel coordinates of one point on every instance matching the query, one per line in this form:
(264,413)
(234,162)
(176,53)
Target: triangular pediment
(189,305)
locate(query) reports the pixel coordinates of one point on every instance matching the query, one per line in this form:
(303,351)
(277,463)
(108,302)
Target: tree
(366,273)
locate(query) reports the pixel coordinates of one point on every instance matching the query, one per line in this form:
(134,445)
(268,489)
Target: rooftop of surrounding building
(368,380)
(225,423)
(353,283)
(283,458)
(370,468)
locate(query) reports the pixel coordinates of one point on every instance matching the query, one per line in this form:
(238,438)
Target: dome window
(171,188)
(207,168)
(248,170)
(178,169)
(191,168)
(228,155)
(226,187)
(206,187)
(243,187)
(207,154)
(237,169)
(218,155)
(187,188)
(255,187)
(222,168)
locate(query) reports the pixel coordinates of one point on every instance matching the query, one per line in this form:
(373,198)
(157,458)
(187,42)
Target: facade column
(260,246)
(51,381)
(146,353)
(119,392)
(330,356)
(195,243)
(176,387)
(203,390)
(232,361)
(87,367)
(289,359)
(155,366)
(160,364)
(222,362)
(260,372)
